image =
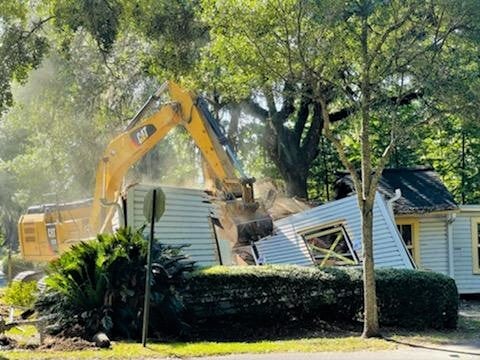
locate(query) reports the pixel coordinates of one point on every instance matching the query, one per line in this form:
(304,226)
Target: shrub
(406,298)
(269,294)
(99,286)
(22,294)
(416,299)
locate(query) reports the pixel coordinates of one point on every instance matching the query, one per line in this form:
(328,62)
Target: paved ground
(403,353)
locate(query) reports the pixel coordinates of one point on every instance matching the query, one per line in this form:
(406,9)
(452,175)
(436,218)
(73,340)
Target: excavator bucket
(244,223)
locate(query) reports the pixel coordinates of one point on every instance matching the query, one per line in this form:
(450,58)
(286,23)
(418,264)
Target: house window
(408,229)
(476,245)
(330,246)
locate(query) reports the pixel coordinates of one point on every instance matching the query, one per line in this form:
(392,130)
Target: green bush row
(417,299)
(99,286)
(406,298)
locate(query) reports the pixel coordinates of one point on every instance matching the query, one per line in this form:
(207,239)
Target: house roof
(422,190)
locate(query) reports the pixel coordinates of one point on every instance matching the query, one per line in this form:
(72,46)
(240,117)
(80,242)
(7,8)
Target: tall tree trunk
(366,194)
(462,172)
(370,325)
(296,183)
(326,182)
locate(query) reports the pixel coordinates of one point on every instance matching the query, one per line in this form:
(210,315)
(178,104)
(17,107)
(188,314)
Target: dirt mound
(66,344)
(7,343)
(276,201)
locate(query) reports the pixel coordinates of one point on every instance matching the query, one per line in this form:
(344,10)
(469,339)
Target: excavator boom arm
(142,134)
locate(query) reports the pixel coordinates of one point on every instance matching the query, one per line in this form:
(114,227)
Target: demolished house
(422,227)
(330,234)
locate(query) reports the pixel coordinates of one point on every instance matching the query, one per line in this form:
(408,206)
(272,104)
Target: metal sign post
(154,207)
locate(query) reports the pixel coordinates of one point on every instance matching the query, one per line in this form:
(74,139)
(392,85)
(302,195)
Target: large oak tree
(304,64)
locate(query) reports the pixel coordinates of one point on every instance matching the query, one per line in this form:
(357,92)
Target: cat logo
(52,237)
(140,135)
(51,233)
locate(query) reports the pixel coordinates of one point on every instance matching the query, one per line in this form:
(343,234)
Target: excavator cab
(47,230)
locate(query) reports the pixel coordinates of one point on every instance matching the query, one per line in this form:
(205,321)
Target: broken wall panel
(287,245)
(186,220)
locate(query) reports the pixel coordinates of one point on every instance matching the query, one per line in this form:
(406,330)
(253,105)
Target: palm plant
(99,286)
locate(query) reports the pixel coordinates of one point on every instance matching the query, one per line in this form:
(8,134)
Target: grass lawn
(468,330)
(121,350)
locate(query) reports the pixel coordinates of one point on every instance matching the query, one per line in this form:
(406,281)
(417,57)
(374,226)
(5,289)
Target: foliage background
(73,73)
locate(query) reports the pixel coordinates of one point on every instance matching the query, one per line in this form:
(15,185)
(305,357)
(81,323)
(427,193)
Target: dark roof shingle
(422,190)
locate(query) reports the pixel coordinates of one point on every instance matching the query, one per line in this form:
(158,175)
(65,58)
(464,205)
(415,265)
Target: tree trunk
(292,165)
(232,133)
(366,197)
(296,183)
(462,172)
(370,325)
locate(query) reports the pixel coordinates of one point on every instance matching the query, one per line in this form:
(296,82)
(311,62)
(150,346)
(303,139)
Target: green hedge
(417,299)
(406,298)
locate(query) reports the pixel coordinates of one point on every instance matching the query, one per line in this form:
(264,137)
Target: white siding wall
(186,221)
(467,281)
(285,247)
(434,248)
(288,247)
(433,244)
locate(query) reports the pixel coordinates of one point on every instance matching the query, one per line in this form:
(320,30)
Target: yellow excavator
(45,231)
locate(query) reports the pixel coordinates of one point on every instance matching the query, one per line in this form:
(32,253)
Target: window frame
(328,229)
(415,224)
(475,222)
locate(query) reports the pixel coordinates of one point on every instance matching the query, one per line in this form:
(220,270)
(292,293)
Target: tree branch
(38,25)
(391,146)
(310,143)
(384,38)
(337,144)
(272,108)
(288,99)
(302,116)
(381,166)
(394,100)
(254,109)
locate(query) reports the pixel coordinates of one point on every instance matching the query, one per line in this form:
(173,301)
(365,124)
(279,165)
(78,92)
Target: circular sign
(159,204)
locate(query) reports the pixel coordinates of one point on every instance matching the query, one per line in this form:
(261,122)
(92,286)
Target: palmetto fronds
(99,286)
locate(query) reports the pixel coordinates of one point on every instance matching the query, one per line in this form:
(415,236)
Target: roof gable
(422,190)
